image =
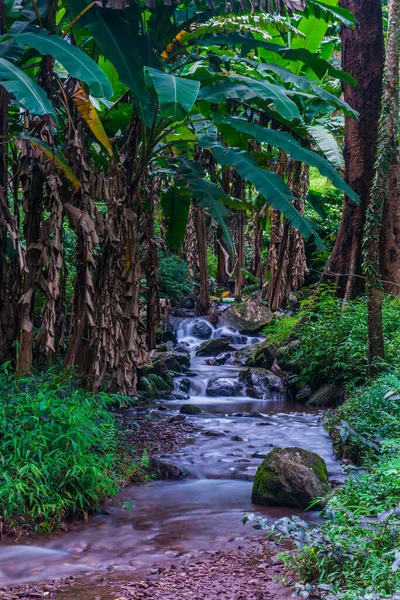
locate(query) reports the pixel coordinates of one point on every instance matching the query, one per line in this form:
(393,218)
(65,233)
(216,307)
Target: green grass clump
(58,450)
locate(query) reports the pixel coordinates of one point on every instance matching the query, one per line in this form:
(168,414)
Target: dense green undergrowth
(61,451)
(334,339)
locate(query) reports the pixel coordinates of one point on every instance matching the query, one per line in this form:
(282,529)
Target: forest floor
(251,572)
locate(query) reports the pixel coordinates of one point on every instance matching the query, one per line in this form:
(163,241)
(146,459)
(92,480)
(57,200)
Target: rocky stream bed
(182,537)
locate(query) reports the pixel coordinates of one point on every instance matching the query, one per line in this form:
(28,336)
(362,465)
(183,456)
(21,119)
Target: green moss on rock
(290,477)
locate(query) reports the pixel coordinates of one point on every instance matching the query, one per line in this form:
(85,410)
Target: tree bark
(360,47)
(204,299)
(386,159)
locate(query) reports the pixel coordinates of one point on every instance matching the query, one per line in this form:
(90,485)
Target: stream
(154,524)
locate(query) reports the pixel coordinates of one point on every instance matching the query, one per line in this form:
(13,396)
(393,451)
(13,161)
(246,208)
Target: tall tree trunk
(151,267)
(256,263)
(240,256)
(222,259)
(386,157)
(204,299)
(360,47)
(33,209)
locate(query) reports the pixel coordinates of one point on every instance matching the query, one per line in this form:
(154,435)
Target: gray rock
(202,330)
(293,301)
(290,477)
(214,433)
(249,317)
(223,387)
(189,409)
(175,395)
(304,394)
(215,347)
(184,385)
(222,358)
(165,470)
(328,395)
(263,382)
(169,336)
(176,419)
(182,348)
(257,355)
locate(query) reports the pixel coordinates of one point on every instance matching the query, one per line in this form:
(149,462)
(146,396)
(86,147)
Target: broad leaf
(27,93)
(175,205)
(328,144)
(270,185)
(286,142)
(176,95)
(78,64)
(92,119)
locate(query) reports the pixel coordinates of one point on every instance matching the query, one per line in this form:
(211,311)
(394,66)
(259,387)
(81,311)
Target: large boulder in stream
(223,387)
(202,330)
(249,317)
(290,477)
(215,346)
(261,383)
(190,409)
(257,355)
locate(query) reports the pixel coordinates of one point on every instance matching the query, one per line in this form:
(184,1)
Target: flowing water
(162,521)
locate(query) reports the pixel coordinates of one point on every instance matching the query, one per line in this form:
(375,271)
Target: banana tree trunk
(387,157)
(204,298)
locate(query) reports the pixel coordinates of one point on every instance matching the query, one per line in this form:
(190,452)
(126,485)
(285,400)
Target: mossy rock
(249,317)
(189,409)
(215,346)
(291,477)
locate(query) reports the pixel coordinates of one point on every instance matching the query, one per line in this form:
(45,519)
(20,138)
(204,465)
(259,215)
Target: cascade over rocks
(261,383)
(215,347)
(290,477)
(249,317)
(223,387)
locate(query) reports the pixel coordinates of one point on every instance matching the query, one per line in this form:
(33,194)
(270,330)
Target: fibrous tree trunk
(32,181)
(151,261)
(361,46)
(387,156)
(190,244)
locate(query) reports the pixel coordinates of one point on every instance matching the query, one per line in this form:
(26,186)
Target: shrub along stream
(355,554)
(61,451)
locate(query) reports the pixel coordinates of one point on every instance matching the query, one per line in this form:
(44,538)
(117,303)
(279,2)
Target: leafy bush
(280,329)
(334,339)
(174,277)
(356,553)
(58,450)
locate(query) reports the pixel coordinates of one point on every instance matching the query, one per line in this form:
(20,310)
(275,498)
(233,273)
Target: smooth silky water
(154,524)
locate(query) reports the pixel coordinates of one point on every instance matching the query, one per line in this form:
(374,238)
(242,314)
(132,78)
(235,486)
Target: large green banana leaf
(286,142)
(176,95)
(78,64)
(175,204)
(328,144)
(26,92)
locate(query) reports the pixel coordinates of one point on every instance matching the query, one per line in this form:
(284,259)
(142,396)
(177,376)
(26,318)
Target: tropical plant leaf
(209,196)
(78,64)
(176,95)
(115,38)
(315,201)
(286,142)
(27,93)
(175,204)
(330,12)
(92,119)
(53,155)
(270,185)
(328,144)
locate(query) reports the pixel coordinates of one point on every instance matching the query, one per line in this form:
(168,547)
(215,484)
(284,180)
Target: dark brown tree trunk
(387,157)
(360,47)
(256,263)
(240,256)
(204,298)
(222,259)
(151,270)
